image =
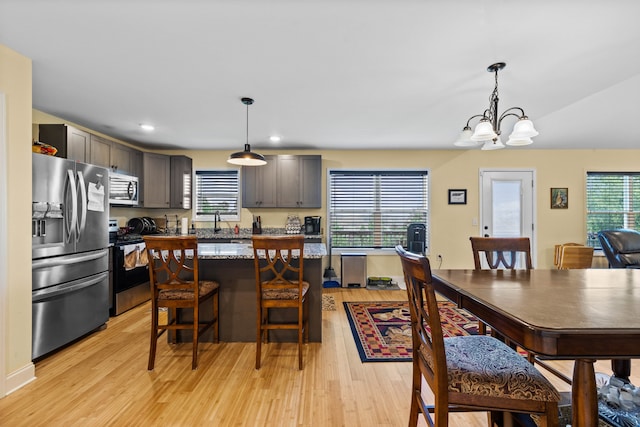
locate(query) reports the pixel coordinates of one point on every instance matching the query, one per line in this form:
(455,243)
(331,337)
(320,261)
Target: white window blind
(613,201)
(217,191)
(372,209)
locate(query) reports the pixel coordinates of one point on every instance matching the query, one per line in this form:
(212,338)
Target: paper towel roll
(185,226)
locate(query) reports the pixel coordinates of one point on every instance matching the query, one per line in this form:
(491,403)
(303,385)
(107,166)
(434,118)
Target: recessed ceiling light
(274,138)
(148,128)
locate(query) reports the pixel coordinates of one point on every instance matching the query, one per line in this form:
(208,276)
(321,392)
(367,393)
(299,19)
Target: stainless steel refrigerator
(70,256)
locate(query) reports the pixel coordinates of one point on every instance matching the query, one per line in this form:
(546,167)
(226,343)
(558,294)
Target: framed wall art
(559,198)
(458,197)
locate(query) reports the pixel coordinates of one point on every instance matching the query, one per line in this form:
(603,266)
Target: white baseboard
(20,378)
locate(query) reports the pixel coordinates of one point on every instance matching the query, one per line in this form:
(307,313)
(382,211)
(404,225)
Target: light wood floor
(103,381)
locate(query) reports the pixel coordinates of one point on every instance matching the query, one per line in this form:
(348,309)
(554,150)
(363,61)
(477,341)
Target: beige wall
(15,83)
(451,225)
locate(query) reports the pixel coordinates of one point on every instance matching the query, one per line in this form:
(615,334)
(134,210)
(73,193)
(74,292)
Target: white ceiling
(332,74)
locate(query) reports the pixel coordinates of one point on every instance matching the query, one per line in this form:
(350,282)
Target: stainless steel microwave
(123,189)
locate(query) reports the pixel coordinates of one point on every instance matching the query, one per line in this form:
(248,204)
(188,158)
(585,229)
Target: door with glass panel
(507,205)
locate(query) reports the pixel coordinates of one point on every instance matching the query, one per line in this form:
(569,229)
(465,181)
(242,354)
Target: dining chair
(466,373)
(175,284)
(575,257)
(280,284)
(500,252)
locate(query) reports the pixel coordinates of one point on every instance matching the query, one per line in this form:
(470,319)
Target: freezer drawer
(52,271)
(63,313)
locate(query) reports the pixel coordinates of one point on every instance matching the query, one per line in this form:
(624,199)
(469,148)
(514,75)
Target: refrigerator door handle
(67,260)
(83,206)
(72,212)
(68,287)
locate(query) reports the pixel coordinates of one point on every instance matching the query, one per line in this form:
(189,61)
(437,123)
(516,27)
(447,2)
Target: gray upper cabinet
(100,153)
(181,171)
(156,184)
(71,143)
(258,185)
(126,160)
(286,181)
(81,146)
(310,178)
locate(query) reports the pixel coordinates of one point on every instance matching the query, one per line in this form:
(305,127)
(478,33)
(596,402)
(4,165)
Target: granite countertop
(244,234)
(245,250)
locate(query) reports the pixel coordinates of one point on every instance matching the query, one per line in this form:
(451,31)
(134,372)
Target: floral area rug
(382,330)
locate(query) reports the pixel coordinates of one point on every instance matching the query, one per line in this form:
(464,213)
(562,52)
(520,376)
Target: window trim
(371,250)
(210,218)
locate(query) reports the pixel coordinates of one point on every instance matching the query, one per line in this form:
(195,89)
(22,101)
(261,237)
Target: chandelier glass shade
(487,131)
(247,157)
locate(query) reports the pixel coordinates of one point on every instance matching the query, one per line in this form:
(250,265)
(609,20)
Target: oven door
(128,268)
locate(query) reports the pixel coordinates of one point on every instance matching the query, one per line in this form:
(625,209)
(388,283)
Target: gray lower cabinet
(181,171)
(156,184)
(286,181)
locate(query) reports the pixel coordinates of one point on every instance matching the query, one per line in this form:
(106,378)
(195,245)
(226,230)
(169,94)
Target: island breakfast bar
(231,265)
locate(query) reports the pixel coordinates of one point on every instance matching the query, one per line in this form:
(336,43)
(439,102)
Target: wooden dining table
(581,315)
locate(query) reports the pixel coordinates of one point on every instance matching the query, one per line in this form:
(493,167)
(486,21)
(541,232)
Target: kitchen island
(231,265)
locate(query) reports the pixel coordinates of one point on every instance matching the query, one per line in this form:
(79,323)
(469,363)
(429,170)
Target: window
(217,191)
(613,201)
(372,209)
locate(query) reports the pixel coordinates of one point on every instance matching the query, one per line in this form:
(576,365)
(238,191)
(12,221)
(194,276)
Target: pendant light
(247,157)
(487,131)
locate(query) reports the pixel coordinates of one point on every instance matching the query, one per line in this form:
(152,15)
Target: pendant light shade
(464,140)
(493,144)
(247,157)
(484,131)
(524,129)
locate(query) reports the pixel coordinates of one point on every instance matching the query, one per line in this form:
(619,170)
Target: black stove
(127,239)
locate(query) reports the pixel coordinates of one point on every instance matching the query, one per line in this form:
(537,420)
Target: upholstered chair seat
(481,365)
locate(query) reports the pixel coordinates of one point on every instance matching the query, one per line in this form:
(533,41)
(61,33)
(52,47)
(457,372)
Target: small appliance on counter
(311,225)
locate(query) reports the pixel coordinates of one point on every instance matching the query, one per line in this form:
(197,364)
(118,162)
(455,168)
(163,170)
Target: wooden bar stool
(175,284)
(280,284)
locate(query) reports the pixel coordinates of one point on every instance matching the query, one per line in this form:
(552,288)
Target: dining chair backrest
(501,252)
(427,335)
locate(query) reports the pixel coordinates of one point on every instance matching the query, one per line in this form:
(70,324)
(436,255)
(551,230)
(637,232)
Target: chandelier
(247,157)
(487,131)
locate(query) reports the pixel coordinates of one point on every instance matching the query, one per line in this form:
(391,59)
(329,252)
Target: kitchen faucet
(216,218)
